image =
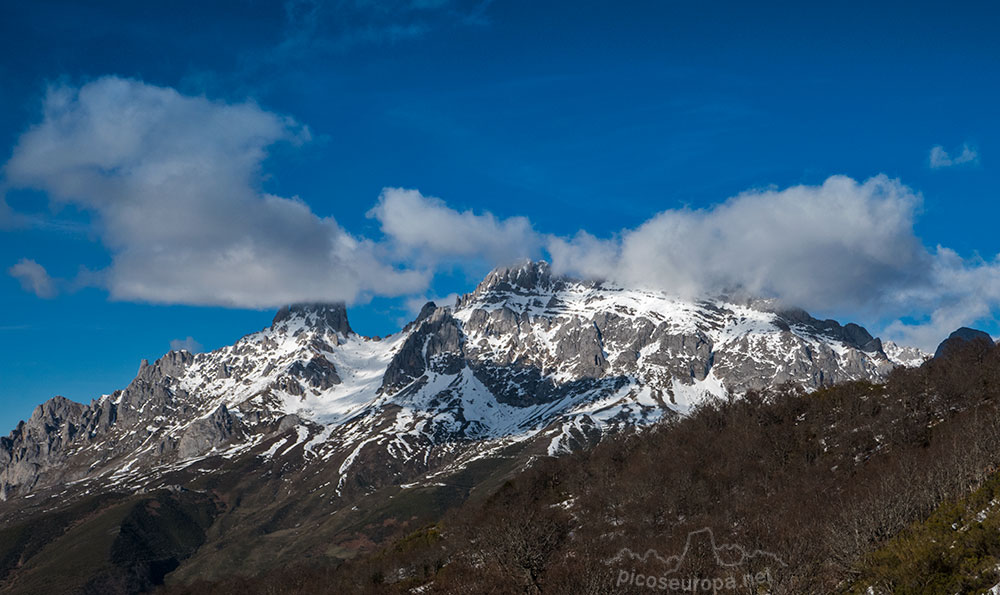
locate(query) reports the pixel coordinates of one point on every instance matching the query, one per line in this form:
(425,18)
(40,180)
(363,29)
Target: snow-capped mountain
(526,359)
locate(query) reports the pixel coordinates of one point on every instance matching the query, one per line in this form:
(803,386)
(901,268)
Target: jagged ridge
(526,357)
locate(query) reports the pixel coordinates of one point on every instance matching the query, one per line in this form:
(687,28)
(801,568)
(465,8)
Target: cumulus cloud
(33,278)
(426,228)
(842,243)
(188,344)
(940,158)
(173,182)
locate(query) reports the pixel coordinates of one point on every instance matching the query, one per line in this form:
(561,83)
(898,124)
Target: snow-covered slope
(526,357)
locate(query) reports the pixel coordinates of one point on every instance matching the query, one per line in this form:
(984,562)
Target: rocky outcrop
(209,433)
(530,278)
(434,344)
(328,316)
(39,443)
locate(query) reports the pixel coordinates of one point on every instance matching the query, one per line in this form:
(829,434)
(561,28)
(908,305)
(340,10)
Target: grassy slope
(65,550)
(104,545)
(268,528)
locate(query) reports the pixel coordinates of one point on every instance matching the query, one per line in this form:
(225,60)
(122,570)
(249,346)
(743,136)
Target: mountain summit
(329,316)
(960,337)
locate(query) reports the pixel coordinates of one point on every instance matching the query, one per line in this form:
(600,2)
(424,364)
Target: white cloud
(188,344)
(33,278)
(425,228)
(586,256)
(173,180)
(939,158)
(840,244)
(956,292)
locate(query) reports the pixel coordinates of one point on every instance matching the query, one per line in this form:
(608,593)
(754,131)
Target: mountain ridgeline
(526,356)
(308,423)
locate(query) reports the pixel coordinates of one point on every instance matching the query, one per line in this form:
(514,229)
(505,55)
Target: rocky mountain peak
(53,411)
(172,363)
(425,312)
(960,336)
(526,277)
(850,334)
(317,315)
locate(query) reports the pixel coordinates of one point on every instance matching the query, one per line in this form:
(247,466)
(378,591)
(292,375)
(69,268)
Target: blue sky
(530,122)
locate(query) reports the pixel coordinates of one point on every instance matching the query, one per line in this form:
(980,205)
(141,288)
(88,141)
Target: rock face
(526,357)
(961,336)
(331,316)
(208,433)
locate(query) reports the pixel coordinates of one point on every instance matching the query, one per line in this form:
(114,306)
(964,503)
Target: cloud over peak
(426,227)
(189,344)
(817,246)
